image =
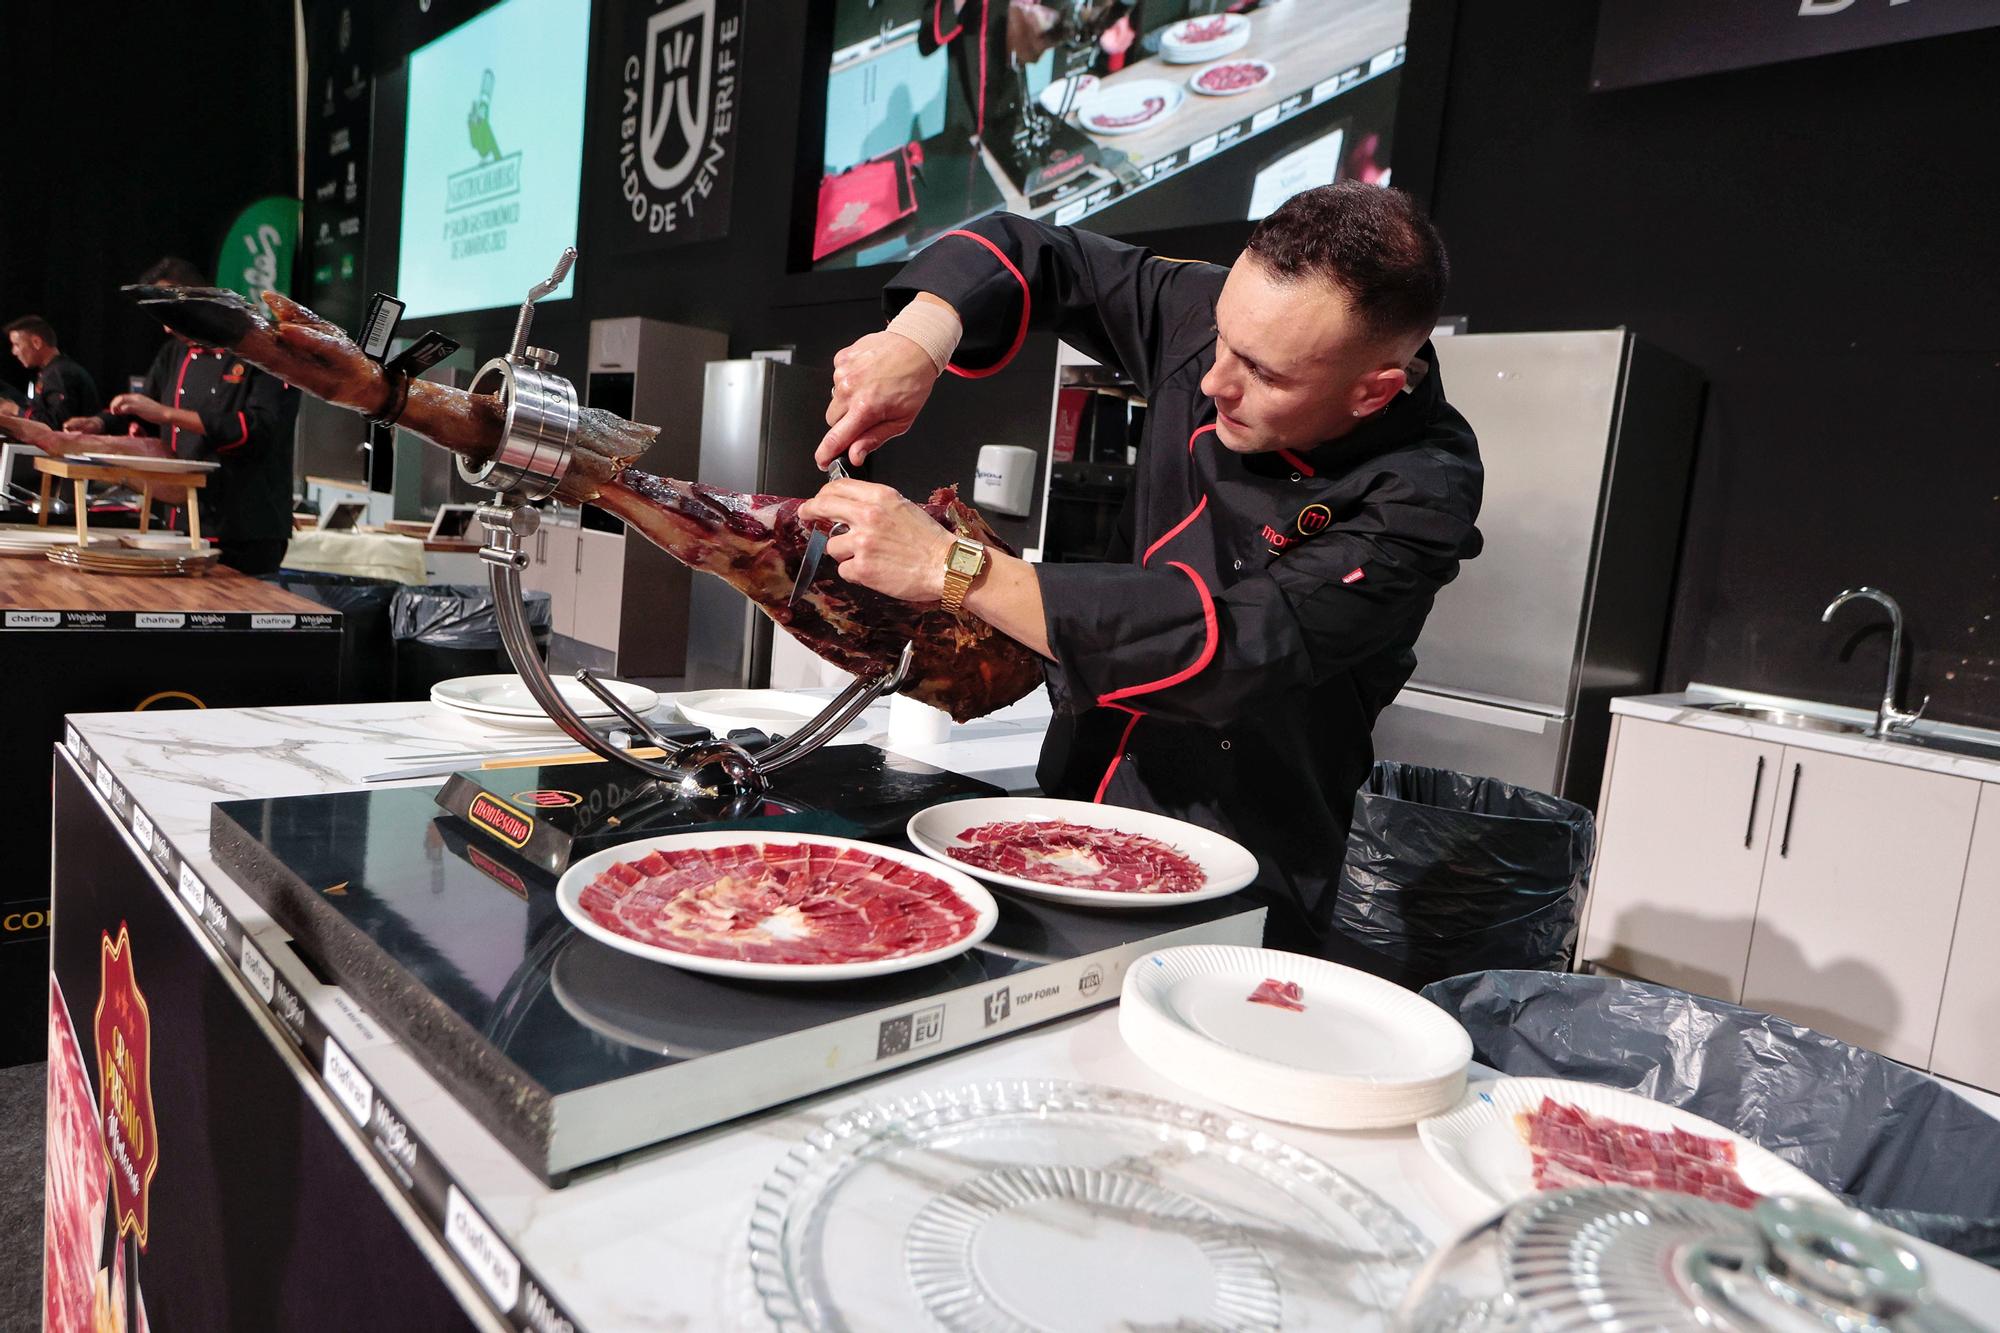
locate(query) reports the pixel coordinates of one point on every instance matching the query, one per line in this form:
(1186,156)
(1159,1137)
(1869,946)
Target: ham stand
(538,441)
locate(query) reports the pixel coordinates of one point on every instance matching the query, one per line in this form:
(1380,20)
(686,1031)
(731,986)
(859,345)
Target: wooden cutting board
(37,585)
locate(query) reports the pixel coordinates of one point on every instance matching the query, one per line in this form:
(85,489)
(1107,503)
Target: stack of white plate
(1190,40)
(503,701)
(1356,1053)
(115,559)
(34,543)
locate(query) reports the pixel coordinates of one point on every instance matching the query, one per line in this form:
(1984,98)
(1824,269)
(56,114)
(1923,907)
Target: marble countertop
(658,1240)
(1691,708)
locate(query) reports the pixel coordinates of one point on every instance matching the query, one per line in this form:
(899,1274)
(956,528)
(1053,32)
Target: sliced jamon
(1572,1148)
(1288,995)
(778,903)
(1079,856)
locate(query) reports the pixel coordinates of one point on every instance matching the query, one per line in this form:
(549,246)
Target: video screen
(493,156)
(1137,115)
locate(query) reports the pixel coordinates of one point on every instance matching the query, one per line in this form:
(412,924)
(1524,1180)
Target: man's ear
(1374,390)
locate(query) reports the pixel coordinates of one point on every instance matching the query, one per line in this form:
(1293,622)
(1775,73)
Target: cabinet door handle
(1791,804)
(1756,787)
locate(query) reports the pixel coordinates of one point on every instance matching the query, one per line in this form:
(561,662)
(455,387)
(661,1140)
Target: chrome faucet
(1888,717)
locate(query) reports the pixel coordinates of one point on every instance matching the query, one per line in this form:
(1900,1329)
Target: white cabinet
(600,588)
(1861,888)
(1686,819)
(1968,1028)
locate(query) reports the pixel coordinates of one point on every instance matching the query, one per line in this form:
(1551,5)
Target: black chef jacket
(60,390)
(1229,670)
(247,418)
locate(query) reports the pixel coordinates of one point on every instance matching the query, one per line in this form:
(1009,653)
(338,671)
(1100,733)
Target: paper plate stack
(147,564)
(1292,1038)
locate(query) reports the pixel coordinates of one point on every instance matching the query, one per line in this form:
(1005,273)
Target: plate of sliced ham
(1127,108)
(1227,78)
(1517,1136)
(1083,853)
(775,906)
(1292,1038)
(1196,39)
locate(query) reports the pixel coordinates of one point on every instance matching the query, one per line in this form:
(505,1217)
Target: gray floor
(21,1102)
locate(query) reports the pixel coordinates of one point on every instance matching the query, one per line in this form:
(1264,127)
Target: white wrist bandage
(933,327)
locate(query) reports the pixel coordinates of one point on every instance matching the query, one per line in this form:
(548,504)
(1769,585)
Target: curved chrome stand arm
(538,439)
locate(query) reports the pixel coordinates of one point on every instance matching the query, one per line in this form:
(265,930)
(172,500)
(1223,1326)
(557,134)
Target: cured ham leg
(752,542)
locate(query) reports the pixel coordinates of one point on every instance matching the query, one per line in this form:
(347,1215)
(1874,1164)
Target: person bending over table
(207,404)
(1303,490)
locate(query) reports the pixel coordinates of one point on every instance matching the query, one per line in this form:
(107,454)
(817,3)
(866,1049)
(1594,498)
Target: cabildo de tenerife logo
(476,216)
(677,116)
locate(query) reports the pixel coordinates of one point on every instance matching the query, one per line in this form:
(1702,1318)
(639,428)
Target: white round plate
(1359,1052)
(1476,1142)
(1266,71)
(1176,49)
(31,550)
(1228,866)
(773,712)
(569,890)
(506,696)
(1052,96)
(148,463)
(1111,106)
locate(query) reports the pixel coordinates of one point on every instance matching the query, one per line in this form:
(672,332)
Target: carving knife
(815,545)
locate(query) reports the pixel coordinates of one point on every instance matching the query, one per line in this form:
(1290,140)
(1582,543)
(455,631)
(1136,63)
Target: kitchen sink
(1786,717)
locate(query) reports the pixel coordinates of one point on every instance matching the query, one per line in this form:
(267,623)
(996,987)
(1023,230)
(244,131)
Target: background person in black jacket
(61,387)
(205,403)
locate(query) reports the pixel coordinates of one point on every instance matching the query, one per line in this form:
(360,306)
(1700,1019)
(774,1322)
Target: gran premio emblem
(677,119)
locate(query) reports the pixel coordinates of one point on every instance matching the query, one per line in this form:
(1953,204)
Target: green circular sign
(257,249)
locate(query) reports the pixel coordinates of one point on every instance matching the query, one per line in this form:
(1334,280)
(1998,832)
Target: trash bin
(1893,1140)
(448,629)
(1447,873)
(367,653)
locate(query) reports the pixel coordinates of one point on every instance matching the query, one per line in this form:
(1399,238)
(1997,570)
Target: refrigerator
(760,421)
(1587,439)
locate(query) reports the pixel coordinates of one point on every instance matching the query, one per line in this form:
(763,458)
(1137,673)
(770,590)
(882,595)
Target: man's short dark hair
(35,327)
(1371,242)
(173,272)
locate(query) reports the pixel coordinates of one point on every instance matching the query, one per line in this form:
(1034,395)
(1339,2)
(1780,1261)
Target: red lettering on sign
(500,819)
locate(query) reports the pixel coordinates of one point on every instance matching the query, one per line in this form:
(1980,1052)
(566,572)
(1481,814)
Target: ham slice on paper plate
(1511,1138)
(775,906)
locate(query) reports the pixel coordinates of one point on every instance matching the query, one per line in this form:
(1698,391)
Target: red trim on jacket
(1296,462)
(242,436)
(1194,668)
(1020,334)
(1118,754)
(937,13)
(174,432)
(1199,431)
(1174,531)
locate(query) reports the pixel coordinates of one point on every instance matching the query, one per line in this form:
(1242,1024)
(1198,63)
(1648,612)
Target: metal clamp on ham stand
(720,778)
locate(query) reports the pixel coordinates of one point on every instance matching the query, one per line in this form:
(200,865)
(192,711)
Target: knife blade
(815,545)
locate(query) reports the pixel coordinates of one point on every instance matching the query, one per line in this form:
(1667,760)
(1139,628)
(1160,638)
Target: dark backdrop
(1813,235)
(133,131)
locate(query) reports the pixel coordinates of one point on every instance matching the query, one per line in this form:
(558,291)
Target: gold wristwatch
(961,566)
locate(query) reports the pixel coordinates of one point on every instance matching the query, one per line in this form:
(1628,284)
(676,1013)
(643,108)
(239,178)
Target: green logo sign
(257,249)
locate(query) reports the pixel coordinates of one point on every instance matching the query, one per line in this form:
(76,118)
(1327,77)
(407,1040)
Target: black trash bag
(1893,1141)
(1448,873)
(447,630)
(367,654)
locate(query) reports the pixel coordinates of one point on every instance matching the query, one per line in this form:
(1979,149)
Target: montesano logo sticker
(500,819)
(124,1031)
(674,119)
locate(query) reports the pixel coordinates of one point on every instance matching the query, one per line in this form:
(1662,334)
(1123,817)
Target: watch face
(965,559)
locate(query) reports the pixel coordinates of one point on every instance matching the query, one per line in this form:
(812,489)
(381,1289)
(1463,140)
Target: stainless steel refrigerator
(759,423)
(1587,439)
